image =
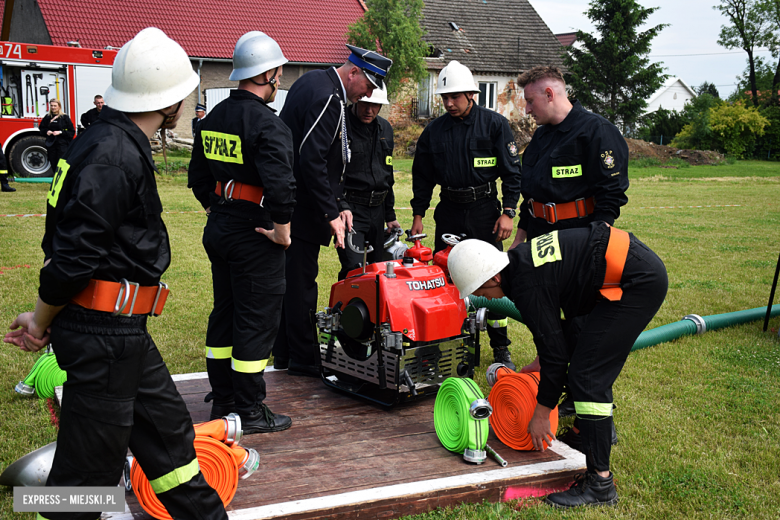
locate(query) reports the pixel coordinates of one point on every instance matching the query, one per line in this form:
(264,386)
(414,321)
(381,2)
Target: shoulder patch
(512,147)
(609,161)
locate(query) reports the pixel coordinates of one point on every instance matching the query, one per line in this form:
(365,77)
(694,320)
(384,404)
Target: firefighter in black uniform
(92,115)
(315,110)
(200,113)
(368,181)
(241,172)
(575,171)
(465,152)
(598,271)
(106,248)
(4,174)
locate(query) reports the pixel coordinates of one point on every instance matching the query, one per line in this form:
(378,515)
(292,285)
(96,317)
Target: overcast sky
(694,28)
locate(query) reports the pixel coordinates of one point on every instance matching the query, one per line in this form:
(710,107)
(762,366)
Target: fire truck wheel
(28,158)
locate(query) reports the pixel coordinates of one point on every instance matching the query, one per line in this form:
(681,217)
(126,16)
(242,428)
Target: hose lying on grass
(222,465)
(513,398)
(43,378)
(690,324)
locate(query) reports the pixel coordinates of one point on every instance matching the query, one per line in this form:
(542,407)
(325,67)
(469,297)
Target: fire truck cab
(31,76)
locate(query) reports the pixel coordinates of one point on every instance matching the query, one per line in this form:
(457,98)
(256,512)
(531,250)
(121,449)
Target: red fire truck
(30,77)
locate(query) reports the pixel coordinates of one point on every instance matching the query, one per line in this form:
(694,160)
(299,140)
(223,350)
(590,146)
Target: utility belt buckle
(577,203)
(160,287)
(227,191)
(124,297)
(550,210)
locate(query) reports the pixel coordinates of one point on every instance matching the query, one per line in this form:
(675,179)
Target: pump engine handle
(354,248)
(392,237)
(450,239)
(412,238)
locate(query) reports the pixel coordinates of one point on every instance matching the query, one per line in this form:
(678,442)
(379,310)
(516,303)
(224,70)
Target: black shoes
(263,420)
(296,369)
(502,355)
(589,489)
(218,411)
(281,363)
(7,187)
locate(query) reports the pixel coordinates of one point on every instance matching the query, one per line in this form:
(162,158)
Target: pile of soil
(638,149)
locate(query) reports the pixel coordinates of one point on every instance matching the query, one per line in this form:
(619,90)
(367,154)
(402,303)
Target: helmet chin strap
(271,82)
(167,123)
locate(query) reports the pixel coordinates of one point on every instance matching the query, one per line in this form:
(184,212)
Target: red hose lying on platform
(221,465)
(513,398)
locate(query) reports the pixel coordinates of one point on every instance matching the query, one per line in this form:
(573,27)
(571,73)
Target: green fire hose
(460,416)
(43,378)
(690,324)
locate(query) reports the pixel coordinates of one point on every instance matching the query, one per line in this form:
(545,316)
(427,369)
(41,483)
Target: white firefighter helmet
(255,53)
(150,72)
(379,96)
(455,77)
(472,263)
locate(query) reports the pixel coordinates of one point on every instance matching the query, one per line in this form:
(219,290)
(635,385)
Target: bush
(661,126)
(404,137)
(737,127)
(697,134)
(768,146)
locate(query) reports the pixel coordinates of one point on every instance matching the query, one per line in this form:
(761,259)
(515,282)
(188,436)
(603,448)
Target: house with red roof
(312,34)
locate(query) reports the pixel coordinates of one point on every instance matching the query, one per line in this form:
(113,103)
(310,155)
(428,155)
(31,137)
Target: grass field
(698,418)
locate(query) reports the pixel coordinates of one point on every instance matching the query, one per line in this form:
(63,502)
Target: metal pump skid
(395,330)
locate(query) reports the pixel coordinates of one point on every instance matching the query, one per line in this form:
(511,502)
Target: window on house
(487,95)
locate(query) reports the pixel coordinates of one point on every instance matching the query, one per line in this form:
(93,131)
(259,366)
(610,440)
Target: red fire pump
(395,330)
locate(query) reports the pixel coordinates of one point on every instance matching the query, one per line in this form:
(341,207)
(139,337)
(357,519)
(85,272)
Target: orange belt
(125,298)
(235,190)
(617,251)
(553,212)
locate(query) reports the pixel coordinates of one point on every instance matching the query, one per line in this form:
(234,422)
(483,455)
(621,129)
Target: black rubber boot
(263,420)
(589,489)
(502,355)
(4,183)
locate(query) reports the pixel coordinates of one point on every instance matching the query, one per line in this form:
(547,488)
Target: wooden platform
(344,457)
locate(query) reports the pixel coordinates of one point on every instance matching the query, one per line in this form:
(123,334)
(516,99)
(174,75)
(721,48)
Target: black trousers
(296,342)
(604,344)
(475,220)
(247,272)
(55,152)
(119,393)
(369,225)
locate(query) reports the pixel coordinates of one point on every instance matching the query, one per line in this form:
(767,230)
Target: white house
(671,96)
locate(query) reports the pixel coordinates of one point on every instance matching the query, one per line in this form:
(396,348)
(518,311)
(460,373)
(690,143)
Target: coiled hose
(460,418)
(43,378)
(221,464)
(691,324)
(513,398)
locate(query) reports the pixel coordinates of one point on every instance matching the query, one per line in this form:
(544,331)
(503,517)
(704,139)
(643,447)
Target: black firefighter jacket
(103,216)
(583,156)
(371,167)
(243,140)
(313,110)
(462,153)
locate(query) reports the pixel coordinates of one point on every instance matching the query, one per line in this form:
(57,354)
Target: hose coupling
(475,456)
(126,473)
(480,409)
(250,464)
(492,373)
(23,389)
(701,325)
(233,429)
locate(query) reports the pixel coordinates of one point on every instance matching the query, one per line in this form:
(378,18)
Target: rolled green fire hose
(691,324)
(460,416)
(43,378)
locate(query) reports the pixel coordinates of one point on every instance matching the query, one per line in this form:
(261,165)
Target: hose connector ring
(480,409)
(475,456)
(492,373)
(701,325)
(25,390)
(234,431)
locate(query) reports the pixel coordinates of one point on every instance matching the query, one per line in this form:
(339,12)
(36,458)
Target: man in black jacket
(91,115)
(368,181)
(241,172)
(106,248)
(465,151)
(200,113)
(598,271)
(315,110)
